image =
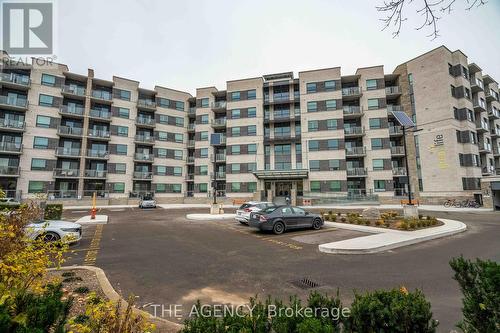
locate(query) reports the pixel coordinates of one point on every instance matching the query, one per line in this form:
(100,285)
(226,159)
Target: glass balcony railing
(91,173)
(9,171)
(144,157)
(11,147)
(399,171)
(352,91)
(14,101)
(392,90)
(145,121)
(352,110)
(397,150)
(354,151)
(11,124)
(73,110)
(102,94)
(68,152)
(15,78)
(147,103)
(99,133)
(97,153)
(357,172)
(100,114)
(67,130)
(63,173)
(144,175)
(395,130)
(73,90)
(354,130)
(144,138)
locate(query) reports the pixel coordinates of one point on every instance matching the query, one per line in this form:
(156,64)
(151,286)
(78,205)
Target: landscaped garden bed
(390,220)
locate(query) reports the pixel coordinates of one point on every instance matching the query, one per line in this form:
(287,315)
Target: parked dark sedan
(279,219)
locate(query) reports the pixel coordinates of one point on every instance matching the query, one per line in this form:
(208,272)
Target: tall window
(311,87)
(46,100)
(204,103)
(330,85)
(48,80)
(235,96)
(373,103)
(312,126)
(377,144)
(251,94)
(312,106)
(43,121)
(331,104)
(371,84)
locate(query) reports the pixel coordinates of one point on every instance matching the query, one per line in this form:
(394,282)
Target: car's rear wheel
(316,224)
(278,228)
(49,237)
(245,223)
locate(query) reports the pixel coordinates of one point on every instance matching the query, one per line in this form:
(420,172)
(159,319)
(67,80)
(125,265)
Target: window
(235,96)
(315,186)
(46,100)
(312,106)
(334,185)
(251,94)
(35,186)
(379,185)
(162,136)
(311,87)
(124,94)
(252,130)
(48,80)
(177,171)
(330,85)
(373,103)
(161,152)
(204,136)
(235,150)
(235,168)
(162,102)
(331,124)
(375,123)
(371,84)
(179,137)
(204,152)
(251,187)
(331,104)
(410,78)
(43,121)
(163,119)
(252,112)
(236,114)
(235,187)
(204,102)
(40,142)
(334,165)
(202,188)
(235,131)
(252,148)
(161,170)
(123,113)
(121,149)
(119,187)
(179,122)
(176,188)
(178,154)
(312,125)
(377,144)
(378,164)
(180,107)
(122,131)
(313,145)
(121,168)
(204,119)
(314,165)
(251,167)
(38,164)
(467,93)
(333,144)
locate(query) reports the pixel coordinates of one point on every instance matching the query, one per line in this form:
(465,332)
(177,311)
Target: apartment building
(322,135)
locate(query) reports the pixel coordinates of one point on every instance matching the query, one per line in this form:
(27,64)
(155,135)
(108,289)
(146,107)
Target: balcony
(494,113)
(190,143)
(395,130)
(73,91)
(144,139)
(68,152)
(354,131)
(220,175)
(355,151)
(10,147)
(16,81)
(66,173)
(219,123)
(146,104)
(484,147)
(479,105)
(475,84)
(487,170)
(192,111)
(75,111)
(357,172)
(351,93)
(91,173)
(9,171)
(399,171)
(141,157)
(97,154)
(392,91)
(482,126)
(145,122)
(392,107)
(495,132)
(490,95)
(99,134)
(219,106)
(11,125)
(398,151)
(70,131)
(283,97)
(221,157)
(102,115)
(13,103)
(190,160)
(280,116)
(190,177)
(191,127)
(496,151)
(283,137)
(143,175)
(102,95)
(352,111)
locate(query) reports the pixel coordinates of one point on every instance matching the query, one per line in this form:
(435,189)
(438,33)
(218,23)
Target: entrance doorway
(283,189)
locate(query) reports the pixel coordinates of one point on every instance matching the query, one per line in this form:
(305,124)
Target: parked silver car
(243,213)
(147,202)
(54,230)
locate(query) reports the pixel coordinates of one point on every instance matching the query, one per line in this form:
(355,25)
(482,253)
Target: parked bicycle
(461,204)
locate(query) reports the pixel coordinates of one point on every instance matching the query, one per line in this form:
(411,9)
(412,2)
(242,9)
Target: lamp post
(406,167)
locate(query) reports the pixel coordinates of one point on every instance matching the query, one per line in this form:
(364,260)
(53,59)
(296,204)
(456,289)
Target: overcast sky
(187,44)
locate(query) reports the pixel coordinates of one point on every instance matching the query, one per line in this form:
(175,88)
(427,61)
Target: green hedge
(9,207)
(53,211)
(480,285)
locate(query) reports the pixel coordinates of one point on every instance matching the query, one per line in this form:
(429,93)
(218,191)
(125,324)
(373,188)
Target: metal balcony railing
(144,138)
(97,153)
(102,94)
(357,172)
(219,105)
(353,151)
(9,171)
(98,133)
(399,171)
(352,110)
(352,91)
(393,107)
(392,90)
(145,121)
(66,173)
(74,90)
(11,147)
(143,175)
(11,124)
(66,130)
(397,150)
(75,110)
(68,152)
(395,130)
(144,157)
(354,130)
(219,122)
(100,114)
(12,101)
(15,78)
(90,173)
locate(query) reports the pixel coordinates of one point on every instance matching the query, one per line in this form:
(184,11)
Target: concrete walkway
(387,239)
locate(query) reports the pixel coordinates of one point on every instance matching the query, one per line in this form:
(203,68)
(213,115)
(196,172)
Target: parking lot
(163,258)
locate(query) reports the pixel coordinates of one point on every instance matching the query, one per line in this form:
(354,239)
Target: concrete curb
(387,239)
(203,217)
(99,219)
(112,295)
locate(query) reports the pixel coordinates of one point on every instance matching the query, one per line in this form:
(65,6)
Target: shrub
(339,213)
(379,222)
(80,319)
(9,207)
(420,216)
(480,284)
(367,222)
(412,224)
(343,219)
(387,224)
(434,221)
(332,216)
(403,225)
(392,311)
(82,290)
(68,274)
(53,211)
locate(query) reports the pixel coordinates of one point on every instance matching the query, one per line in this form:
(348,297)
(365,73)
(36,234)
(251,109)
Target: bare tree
(429,9)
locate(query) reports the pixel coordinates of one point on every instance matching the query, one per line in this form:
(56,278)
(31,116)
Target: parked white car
(9,202)
(147,202)
(54,230)
(243,213)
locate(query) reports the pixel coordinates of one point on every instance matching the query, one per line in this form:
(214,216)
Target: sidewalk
(387,239)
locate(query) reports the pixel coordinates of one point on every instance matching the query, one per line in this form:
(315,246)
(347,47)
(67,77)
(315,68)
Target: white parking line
(79,211)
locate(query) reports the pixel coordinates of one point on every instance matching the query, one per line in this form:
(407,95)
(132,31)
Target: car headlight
(70,229)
